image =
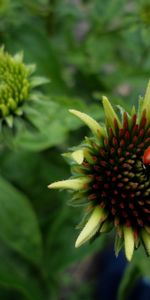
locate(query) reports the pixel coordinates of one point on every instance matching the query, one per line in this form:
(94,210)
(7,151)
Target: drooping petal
(91,227)
(146,240)
(90,122)
(73,184)
(110,113)
(78,156)
(128,242)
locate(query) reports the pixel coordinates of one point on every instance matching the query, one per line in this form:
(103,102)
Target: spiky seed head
(118,186)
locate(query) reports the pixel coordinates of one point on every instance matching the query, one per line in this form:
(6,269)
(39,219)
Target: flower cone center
(120,183)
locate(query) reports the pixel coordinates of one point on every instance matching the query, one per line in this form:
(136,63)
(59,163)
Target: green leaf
(53,122)
(66,220)
(38,80)
(14,274)
(37,141)
(19,227)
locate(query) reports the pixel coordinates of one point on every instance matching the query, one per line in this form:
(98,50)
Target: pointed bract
(90,122)
(9,121)
(88,156)
(19,56)
(110,113)
(118,244)
(73,184)
(128,242)
(133,111)
(146,103)
(147,229)
(106,227)
(91,227)
(146,240)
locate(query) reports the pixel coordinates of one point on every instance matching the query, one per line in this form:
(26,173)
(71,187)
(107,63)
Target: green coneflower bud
(111,175)
(16,84)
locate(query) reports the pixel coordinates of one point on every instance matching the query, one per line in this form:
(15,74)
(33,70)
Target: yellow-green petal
(91,227)
(78,156)
(128,242)
(110,113)
(90,122)
(73,184)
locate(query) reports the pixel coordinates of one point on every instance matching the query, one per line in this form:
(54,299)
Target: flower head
(16,84)
(111,176)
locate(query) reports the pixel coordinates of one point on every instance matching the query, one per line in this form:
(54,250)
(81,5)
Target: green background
(87,49)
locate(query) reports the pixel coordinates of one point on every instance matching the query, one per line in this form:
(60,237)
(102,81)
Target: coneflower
(17,84)
(111,176)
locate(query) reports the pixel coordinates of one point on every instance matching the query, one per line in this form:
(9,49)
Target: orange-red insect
(146,157)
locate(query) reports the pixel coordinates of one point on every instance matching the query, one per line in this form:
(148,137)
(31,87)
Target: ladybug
(146,157)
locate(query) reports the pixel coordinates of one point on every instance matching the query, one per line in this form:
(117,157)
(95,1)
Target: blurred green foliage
(86,48)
